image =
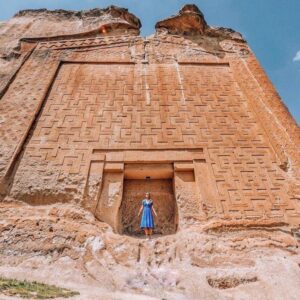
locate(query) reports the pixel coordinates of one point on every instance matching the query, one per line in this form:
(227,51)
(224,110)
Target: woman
(147,222)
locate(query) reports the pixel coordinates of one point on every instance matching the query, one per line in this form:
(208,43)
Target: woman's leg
(150,231)
(146,231)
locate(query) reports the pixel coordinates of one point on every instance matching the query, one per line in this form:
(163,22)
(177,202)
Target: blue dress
(147,216)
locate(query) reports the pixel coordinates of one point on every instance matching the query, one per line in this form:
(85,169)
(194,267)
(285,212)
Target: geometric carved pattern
(161,106)
(249,183)
(18,104)
(138,106)
(142,98)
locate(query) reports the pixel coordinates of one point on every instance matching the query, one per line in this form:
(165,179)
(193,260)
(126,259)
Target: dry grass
(32,290)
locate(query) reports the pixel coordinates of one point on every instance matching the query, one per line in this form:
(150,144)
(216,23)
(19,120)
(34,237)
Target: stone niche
(169,176)
(157,179)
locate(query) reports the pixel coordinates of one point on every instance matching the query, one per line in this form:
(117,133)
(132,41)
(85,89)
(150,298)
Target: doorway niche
(157,179)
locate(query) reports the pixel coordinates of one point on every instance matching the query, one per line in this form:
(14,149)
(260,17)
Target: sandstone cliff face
(45,24)
(92,115)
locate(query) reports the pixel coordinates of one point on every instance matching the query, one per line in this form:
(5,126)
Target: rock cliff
(43,24)
(92,115)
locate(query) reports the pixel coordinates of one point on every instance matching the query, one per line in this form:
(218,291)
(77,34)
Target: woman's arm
(140,210)
(154,211)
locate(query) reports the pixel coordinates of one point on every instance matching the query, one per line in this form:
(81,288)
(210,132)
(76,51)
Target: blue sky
(271,27)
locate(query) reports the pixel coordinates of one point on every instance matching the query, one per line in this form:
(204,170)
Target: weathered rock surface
(191,24)
(45,24)
(92,115)
(66,246)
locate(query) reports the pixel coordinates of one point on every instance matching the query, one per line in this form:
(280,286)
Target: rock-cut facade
(94,114)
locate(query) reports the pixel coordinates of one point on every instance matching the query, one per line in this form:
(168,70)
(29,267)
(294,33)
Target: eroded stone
(93,116)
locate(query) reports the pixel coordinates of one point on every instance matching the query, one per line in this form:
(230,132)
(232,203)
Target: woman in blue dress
(147,222)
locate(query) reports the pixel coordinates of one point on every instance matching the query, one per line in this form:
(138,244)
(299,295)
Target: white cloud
(297,56)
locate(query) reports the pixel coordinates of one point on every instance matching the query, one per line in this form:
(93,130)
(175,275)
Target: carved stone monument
(93,113)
